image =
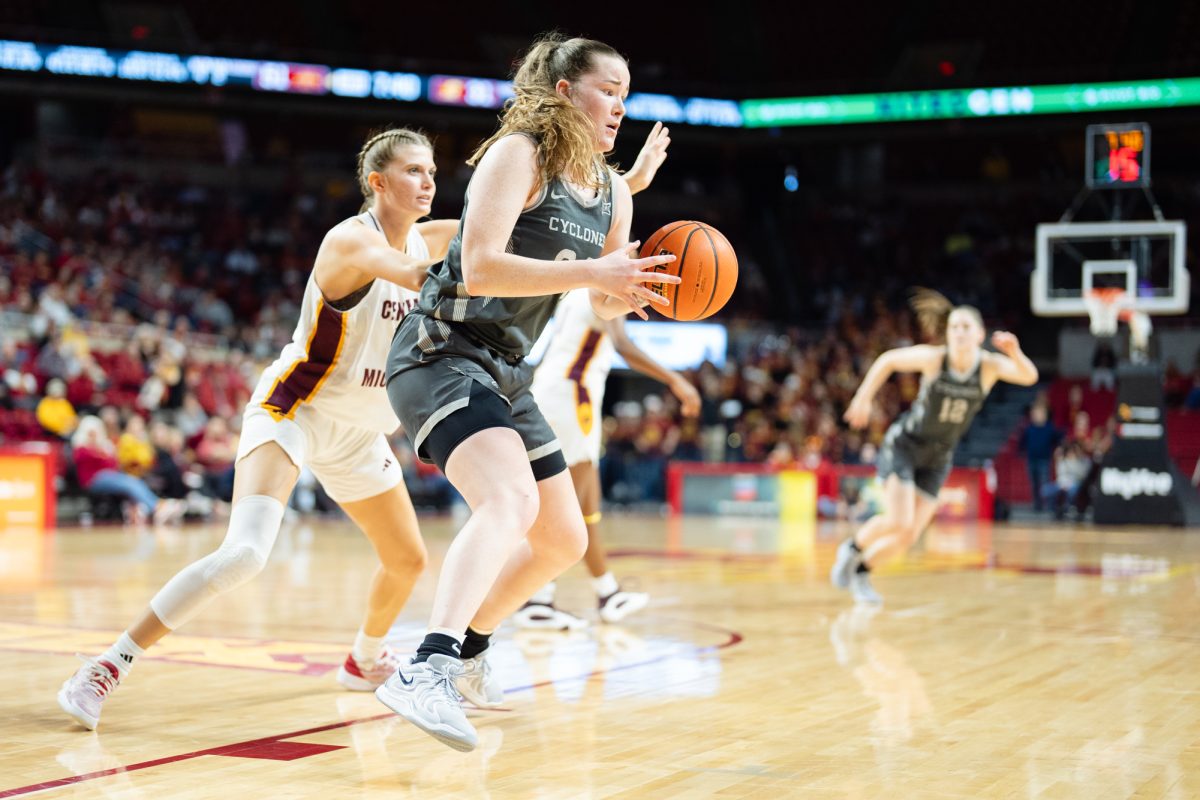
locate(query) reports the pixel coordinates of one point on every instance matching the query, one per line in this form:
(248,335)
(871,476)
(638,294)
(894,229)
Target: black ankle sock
(475,643)
(862,567)
(436,643)
(854,545)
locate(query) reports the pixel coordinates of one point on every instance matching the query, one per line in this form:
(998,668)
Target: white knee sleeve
(253,526)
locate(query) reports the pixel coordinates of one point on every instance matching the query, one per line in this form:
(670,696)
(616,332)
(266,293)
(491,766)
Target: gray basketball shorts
(444,386)
(925,467)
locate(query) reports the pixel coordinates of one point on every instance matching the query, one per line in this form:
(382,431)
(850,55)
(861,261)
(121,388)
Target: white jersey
(569,383)
(335,361)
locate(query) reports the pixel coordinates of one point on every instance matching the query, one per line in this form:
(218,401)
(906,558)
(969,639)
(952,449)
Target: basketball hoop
(1106,307)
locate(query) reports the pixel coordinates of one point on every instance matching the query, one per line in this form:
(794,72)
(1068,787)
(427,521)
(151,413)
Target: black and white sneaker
(546,617)
(620,604)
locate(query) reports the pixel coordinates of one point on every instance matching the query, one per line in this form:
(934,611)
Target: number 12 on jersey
(954,410)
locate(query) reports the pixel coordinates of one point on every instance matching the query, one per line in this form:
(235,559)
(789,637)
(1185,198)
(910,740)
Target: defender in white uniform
(569,382)
(321,404)
(323,400)
(569,389)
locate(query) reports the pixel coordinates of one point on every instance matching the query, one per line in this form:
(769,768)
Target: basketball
(704,260)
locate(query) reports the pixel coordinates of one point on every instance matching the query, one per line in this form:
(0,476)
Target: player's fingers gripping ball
(705,263)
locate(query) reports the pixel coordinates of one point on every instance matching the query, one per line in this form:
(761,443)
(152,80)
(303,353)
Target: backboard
(1145,258)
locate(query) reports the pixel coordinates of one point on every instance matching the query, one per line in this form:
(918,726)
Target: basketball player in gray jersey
(918,450)
(544,215)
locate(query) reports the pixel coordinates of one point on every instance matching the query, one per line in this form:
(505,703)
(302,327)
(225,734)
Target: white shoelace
(445,681)
(387,660)
(478,662)
(98,679)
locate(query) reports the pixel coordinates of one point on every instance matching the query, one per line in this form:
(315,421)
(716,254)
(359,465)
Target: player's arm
(437,234)
(605,305)
(638,359)
(504,181)
(351,255)
(1010,365)
(651,157)
(922,358)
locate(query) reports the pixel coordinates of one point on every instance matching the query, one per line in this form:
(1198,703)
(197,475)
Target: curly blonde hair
(933,310)
(565,136)
(379,150)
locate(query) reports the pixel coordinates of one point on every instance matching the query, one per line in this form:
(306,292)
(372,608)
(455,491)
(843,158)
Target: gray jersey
(944,408)
(560,226)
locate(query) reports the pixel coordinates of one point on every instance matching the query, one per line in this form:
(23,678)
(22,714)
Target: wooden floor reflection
(1007,662)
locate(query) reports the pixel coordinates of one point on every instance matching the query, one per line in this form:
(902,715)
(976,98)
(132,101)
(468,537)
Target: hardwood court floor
(1056,662)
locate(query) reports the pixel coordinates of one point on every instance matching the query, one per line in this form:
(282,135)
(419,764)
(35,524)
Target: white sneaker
(862,590)
(425,695)
(620,604)
(844,565)
(544,616)
(478,683)
(357,677)
(84,692)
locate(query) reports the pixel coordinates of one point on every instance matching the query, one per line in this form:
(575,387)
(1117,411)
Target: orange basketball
(705,261)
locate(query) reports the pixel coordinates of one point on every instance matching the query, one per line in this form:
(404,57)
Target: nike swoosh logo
(405,681)
(554,195)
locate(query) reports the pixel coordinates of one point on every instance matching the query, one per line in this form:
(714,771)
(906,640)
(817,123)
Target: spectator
(1038,441)
(111,418)
(191,419)
(1071,467)
(212,312)
(55,412)
(166,476)
(97,469)
(215,453)
(52,305)
(135,454)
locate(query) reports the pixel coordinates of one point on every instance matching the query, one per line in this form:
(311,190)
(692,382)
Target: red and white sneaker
(84,692)
(357,677)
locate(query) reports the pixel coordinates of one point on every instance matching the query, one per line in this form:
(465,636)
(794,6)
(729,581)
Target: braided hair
(378,152)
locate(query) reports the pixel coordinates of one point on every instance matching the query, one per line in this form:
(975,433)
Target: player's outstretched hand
(623,275)
(651,157)
(858,413)
(689,398)
(1006,343)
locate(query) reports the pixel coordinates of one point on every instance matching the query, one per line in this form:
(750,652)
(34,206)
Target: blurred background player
(321,404)
(918,451)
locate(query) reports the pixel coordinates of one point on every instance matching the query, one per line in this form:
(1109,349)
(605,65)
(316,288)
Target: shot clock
(1118,156)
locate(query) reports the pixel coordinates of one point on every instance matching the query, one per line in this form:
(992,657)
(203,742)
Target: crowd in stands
(150,308)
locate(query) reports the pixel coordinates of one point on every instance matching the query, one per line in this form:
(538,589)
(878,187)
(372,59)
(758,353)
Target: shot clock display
(1118,156)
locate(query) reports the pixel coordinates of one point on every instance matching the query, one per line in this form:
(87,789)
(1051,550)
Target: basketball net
(1108,306)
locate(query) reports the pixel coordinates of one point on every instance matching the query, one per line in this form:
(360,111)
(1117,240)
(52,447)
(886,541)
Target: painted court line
(278,742)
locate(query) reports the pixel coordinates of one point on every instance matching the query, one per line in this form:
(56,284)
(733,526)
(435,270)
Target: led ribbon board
(473,92)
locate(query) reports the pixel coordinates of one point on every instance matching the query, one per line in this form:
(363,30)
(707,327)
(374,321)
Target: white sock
(122,654)
(544,596)
(605,585)
(366,648)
